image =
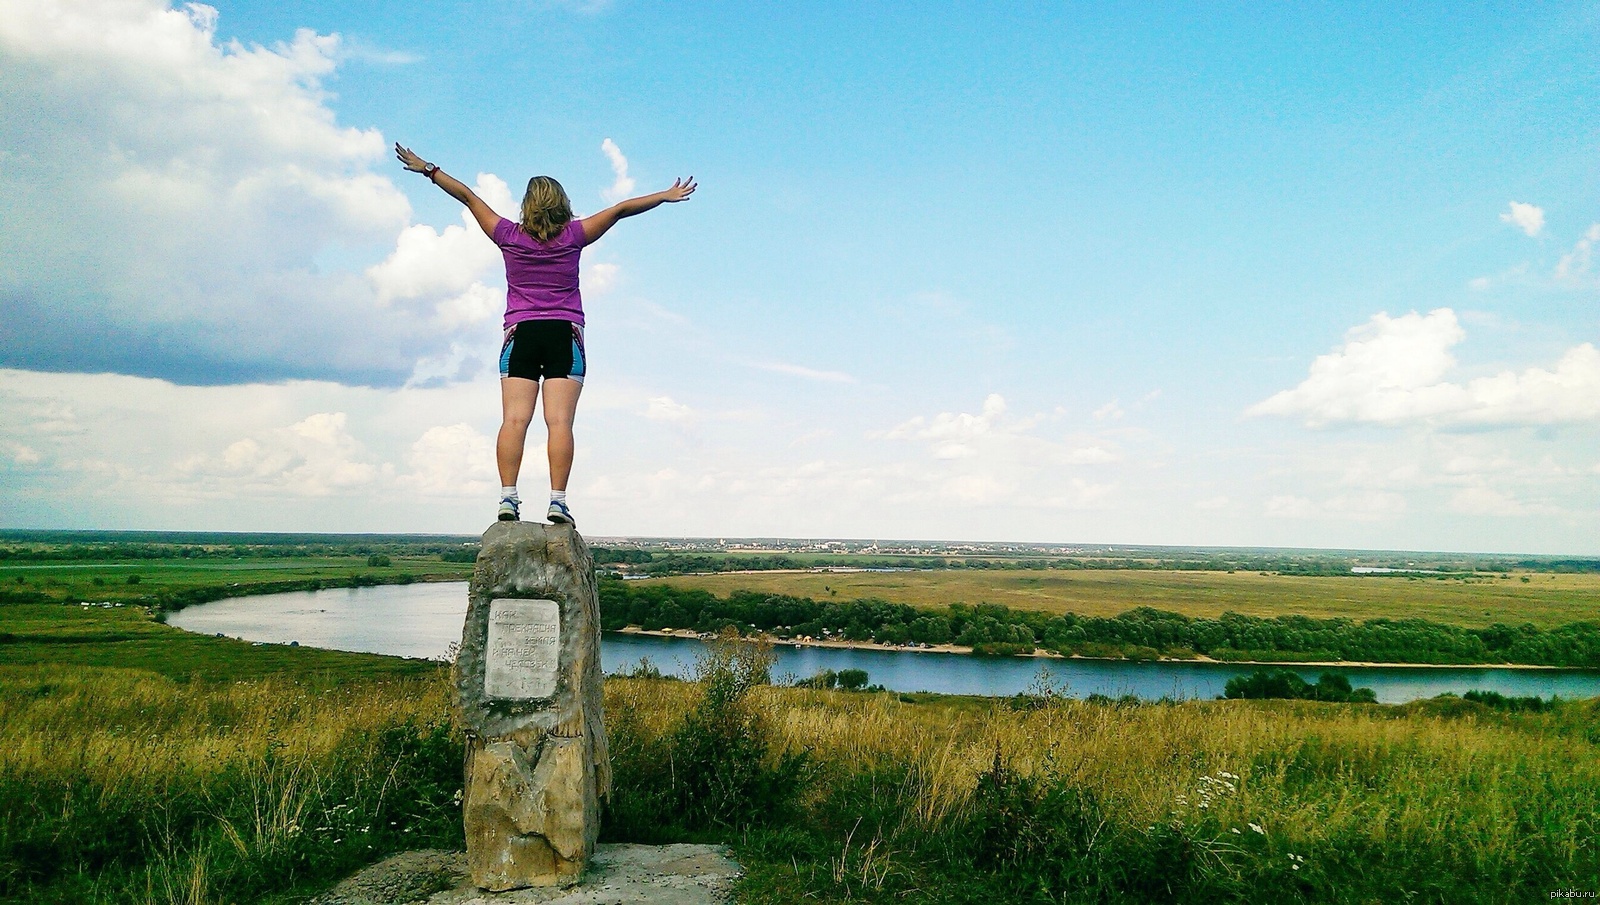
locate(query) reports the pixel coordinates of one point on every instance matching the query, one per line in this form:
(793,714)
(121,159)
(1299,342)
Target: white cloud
(446,272)
(116,451)
(1089,455)
(477,304)
(427,262)
(663,408)
(454,461)
(622,187)
(226,185)
(153,444)
(1290,506)
(992,438)
(599,279)
(1391,370)
(953,434)
(1527,217)
(1574,266)
(1111,410)
(1372,506)
(458,363)
(316,456)
(779,367)
(1481,500)
(993,458)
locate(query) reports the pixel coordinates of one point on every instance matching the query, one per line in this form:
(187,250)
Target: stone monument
(528,683)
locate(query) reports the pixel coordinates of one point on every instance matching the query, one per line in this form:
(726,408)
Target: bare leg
(518,396)
(560,405)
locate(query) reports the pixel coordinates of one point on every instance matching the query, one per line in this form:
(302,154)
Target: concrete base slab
(617,875)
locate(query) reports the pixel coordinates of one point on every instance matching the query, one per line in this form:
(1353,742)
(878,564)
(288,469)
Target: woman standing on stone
(544,316)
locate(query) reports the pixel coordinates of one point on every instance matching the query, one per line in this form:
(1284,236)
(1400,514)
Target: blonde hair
(545,208)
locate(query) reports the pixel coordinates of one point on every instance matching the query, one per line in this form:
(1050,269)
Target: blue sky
(1146,274)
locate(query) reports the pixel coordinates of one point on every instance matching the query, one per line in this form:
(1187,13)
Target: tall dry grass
(120,785)
(1243,801)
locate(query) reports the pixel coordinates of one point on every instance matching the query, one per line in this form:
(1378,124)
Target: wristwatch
(429,169)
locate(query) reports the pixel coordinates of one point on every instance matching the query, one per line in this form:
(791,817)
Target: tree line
(1142,633)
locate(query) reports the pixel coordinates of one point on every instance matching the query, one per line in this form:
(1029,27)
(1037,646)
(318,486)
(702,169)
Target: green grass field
(127,638)
(1544,599)
(62,631)
(78,580)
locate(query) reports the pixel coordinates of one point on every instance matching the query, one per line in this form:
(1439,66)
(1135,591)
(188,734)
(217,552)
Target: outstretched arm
(455,188)
(595,226)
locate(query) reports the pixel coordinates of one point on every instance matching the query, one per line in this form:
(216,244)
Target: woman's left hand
(409,160)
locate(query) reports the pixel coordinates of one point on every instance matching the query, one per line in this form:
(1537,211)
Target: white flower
(1257,828)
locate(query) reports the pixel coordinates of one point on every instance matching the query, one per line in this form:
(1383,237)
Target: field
(1544,599)
(121,785)
(140,763)
(109,579)
(62,631)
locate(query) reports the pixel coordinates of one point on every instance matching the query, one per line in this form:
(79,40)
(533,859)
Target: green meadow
(44,619)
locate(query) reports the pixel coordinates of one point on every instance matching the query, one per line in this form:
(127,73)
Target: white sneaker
(510,509)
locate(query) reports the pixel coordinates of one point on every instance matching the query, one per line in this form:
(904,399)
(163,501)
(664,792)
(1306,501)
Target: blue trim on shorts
(505,351)
(580,363)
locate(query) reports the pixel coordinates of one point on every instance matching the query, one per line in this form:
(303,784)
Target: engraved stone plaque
(523,649)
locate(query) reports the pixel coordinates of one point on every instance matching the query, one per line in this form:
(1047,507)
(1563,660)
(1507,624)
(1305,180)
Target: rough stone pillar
(528,683)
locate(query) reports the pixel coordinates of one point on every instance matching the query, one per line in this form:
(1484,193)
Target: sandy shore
(1052,655)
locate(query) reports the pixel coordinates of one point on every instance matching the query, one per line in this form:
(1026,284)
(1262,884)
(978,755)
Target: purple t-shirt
(541,277)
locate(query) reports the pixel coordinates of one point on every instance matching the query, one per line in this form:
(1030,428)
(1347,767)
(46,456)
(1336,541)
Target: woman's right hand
(681,189)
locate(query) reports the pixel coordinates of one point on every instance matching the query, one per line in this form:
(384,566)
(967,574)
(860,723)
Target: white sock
(558,496)
(509,493)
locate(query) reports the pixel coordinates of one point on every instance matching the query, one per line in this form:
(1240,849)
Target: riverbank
(1040,653)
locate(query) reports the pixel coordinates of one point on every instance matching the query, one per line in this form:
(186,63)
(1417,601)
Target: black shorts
(534,350)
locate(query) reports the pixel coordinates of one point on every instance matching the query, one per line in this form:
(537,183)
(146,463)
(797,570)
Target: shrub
(1499,701)
(717,770)
(824,678)
(1285,683)
(852,679)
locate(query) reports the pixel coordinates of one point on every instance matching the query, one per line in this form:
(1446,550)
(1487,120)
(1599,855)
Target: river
(422,620)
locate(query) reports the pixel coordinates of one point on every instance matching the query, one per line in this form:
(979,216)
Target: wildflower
(1234,830)
(1257,828)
